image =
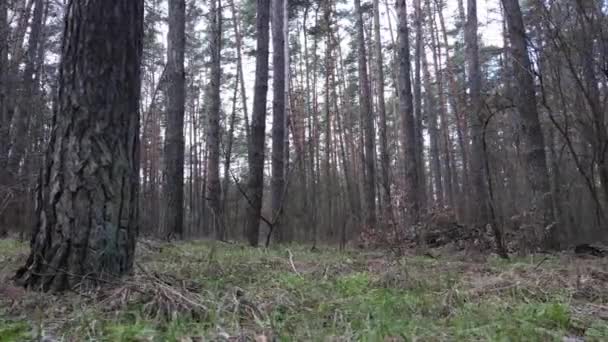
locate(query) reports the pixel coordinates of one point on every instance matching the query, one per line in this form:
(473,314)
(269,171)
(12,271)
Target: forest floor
(200,291)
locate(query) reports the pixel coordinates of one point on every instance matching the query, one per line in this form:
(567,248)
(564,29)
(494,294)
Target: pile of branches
(162,297)
(439,234)
(437,229)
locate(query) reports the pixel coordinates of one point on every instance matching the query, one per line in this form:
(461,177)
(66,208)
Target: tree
(476,116)
(406,110)
(87,211)
(174,141)
(4,121)
(278,116)
(525,100)
(367,121)
(213,136)
(384,156)
(255,182)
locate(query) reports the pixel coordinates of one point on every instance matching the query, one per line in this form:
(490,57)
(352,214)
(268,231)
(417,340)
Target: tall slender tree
(87,215)
(278,116)
(476,117)
(174,141)
(255,182)
(213,136)
(4,121)
(384,155)
(367,121)
(408,134)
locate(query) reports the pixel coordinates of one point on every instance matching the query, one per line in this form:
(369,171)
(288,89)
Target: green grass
(351,295)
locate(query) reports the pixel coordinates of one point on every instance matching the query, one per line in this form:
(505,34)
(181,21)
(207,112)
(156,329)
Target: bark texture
(476,117)
(174,142)
(406,110)
(278,117)
(87,212)
(255,183)
(213,135)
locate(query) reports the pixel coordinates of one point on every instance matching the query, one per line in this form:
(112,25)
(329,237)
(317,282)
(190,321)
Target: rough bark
(407,116)
(213,134)
(476,117)
(255,183)
(530,128)
(367,121)
(174,141)
(278,117)
(87,212)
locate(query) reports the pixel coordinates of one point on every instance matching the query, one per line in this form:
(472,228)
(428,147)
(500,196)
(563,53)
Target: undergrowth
(209,291)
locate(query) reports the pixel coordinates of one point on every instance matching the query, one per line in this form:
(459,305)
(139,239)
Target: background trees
(467,119)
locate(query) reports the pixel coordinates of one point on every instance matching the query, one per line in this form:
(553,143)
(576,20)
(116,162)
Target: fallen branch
(293,266)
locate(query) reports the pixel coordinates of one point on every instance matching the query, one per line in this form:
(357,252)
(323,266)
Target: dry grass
(207,291)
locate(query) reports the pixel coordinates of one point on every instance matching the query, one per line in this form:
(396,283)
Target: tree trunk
(368,123)
(87,213)
(448,185)
(239,64)
(4,121)
(418,106)
(433,134)
(525,99)
(278,118)
(174,142)
(407,114)
(228,152)
(255,183)
(213,134)
(384,156)
(476,117)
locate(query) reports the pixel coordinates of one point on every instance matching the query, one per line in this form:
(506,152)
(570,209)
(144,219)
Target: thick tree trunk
(87,200)
(525,99)
(367,121)
(214,189)
(407,116)
(278,117)
(255,183)
(174,141)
